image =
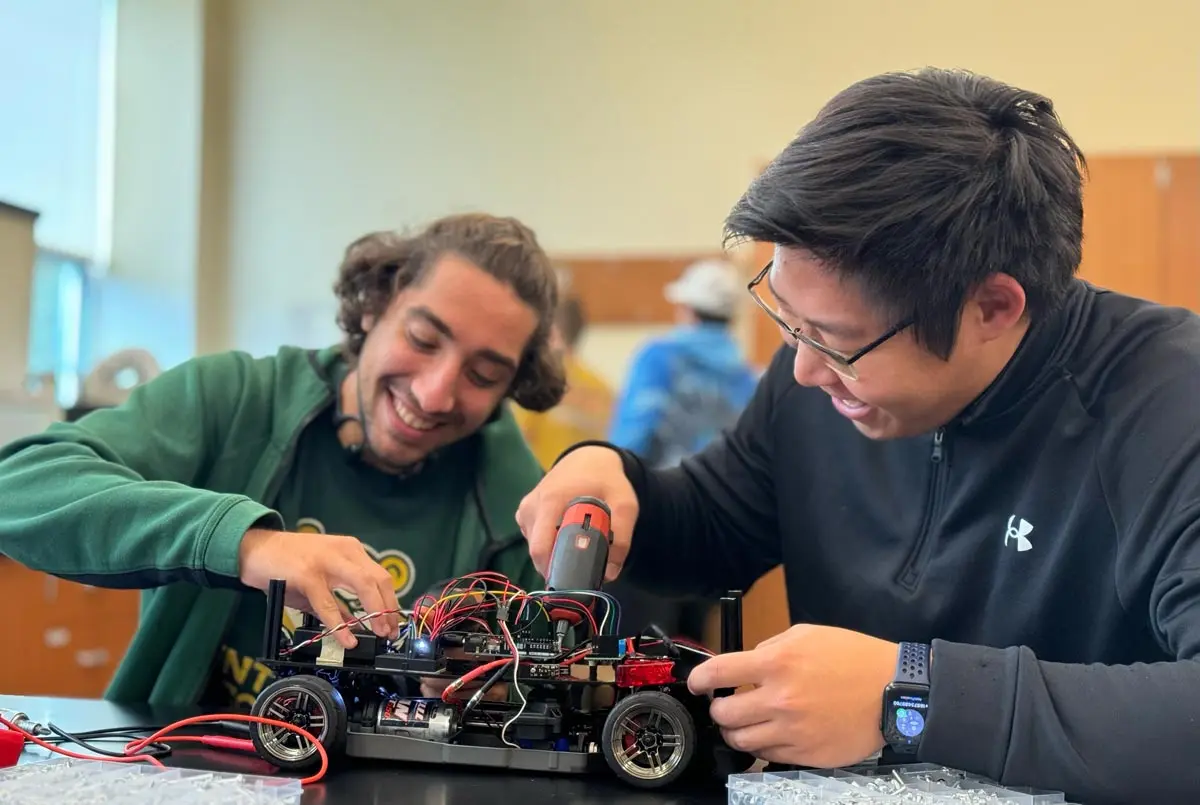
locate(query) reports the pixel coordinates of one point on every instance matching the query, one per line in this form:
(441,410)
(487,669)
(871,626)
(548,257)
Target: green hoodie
(156,495)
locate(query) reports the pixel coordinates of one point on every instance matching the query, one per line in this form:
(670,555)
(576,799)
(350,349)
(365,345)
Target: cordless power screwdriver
(581,546)
(579,557)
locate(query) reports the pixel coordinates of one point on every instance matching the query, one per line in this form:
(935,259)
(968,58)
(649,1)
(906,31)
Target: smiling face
(901,388)
(438,361)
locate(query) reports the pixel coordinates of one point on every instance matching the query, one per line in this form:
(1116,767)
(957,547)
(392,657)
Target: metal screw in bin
(918,784)
(56,781)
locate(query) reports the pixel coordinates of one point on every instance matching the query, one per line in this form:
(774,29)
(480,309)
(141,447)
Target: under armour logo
(1019,533)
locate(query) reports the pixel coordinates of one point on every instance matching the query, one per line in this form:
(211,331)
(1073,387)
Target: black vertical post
(731,629)
(731,621)
(276,591)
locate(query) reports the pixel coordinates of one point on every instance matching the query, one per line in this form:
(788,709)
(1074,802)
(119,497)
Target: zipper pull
(938,435)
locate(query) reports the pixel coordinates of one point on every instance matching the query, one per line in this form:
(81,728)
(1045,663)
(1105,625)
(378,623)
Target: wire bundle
(149,749)
(349,624)
(464,601)
(471,602)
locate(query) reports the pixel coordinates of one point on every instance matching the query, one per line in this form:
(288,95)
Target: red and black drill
(581,546)
(579,557)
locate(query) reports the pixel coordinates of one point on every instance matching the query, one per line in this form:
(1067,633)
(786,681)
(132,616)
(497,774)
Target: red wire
(133,748)
(473,674)
(449,611)
(139,745)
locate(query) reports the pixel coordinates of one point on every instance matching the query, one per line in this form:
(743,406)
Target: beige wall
(609,125)
(18,252)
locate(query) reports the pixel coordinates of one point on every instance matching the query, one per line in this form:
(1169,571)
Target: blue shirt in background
(683,389)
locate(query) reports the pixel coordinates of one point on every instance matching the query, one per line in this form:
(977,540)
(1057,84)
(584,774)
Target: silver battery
(427,719)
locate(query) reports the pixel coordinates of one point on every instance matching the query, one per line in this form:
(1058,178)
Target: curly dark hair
(379,265)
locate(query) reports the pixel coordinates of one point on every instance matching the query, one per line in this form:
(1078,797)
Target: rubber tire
(331,702)
(662,702)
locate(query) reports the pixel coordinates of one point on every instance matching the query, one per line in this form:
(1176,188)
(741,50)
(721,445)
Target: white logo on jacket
(1019,533)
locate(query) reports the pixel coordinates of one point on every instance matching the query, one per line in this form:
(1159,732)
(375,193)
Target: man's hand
(815,697)
(314,565)
(595,471)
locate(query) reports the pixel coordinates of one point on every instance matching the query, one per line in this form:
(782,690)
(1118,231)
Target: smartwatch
(906,700)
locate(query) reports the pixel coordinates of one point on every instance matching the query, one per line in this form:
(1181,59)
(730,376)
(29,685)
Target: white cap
(708,286)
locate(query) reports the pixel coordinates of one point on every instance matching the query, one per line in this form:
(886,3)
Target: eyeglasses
(840,362)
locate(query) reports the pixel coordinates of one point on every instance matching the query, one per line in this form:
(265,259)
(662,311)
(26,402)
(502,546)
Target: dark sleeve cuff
(635,471)
(971,694)
(587,443)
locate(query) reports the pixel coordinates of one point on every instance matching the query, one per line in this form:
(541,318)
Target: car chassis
(622,697)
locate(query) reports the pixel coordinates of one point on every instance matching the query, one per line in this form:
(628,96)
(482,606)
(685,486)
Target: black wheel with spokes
(310,703)
(649,739)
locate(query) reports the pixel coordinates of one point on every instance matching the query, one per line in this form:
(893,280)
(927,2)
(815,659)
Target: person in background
(587,405)
(362,474)
(690,384)
(683,389)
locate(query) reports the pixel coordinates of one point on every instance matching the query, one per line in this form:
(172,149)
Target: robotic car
(575,688)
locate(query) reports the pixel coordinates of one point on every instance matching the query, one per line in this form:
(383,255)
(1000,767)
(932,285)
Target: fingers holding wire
(324,605)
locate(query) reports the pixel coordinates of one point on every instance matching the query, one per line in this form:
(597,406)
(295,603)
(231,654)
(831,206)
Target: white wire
(701,652)
(516,683)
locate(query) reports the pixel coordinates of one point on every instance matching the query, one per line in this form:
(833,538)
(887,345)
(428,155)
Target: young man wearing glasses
(1003,576)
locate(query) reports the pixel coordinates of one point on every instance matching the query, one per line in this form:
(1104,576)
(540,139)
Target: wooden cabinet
(62,638)
(1141,229)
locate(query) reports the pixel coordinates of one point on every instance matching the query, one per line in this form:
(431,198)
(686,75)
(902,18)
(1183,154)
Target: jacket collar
(1039,360)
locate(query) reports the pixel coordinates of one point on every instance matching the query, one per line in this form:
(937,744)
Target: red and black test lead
(135,751)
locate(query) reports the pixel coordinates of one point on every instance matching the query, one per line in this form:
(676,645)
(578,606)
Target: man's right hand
(594,471)
(313,566)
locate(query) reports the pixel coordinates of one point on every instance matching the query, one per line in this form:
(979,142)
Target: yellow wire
(452,596)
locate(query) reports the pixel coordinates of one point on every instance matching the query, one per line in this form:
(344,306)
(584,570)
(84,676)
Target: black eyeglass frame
(841,363)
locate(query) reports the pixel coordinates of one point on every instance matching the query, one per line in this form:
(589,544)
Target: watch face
(909,721)
(904,715)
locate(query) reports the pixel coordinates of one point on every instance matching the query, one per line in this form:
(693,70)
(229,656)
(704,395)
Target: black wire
(492,680)
(668,644)
(479,695)
(117,732)
(84,740)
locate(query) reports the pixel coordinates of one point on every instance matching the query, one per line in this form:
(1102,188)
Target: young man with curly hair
(361,474)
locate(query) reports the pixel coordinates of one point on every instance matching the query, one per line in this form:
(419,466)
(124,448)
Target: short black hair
(919,185)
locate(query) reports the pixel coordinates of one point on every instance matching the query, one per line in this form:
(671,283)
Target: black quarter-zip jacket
(1046,542)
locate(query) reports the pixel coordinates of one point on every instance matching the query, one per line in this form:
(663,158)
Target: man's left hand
(815,695)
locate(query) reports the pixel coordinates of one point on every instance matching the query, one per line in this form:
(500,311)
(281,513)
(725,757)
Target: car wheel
(310,703)
(649,739)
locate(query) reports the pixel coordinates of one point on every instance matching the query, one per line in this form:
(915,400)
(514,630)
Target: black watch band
(912,664)
(906,699)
